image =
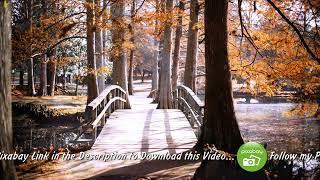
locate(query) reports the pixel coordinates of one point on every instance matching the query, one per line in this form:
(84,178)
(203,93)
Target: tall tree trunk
(176,51)
(21,74)
(142,77)
(77,85)
(98,47)
(52,64)
(160,57)
(91,76)
(43,77)
(161,49)
(165,96)
(141,71)
(155,59)
(155,72)
(130,76)
(131,30)
(7,168)
(220,123)
(31,86)
(192,47)
(104,32)
(119,73)
(64,78)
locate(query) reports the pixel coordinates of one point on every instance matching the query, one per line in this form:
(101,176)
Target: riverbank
(58,108)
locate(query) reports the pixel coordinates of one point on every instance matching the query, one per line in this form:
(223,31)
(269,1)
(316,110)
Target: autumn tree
(31,85)
(132,51)
(119,75)
(43,76)
(22,39)
(7,168)
(220,125)
(270,52)
(155,59)
(99,45)
(165,90)
(192,47)
(177,45)
(52,71)
(91,74)
(119,56)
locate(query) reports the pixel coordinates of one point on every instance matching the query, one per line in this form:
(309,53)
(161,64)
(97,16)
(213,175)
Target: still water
(258,122)
(267,123)
(30,134)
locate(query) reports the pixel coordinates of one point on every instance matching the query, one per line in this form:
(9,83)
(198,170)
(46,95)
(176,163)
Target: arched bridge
(115,126)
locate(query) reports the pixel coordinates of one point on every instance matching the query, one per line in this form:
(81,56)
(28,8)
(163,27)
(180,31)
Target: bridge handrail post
(190,104)
(110,99)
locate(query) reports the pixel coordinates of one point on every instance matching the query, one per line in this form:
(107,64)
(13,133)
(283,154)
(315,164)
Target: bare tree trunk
(31,87)
(99,47)
(131,29)
(155,59)
(104,32)
(176,51)
(52,75)
(220,123)
(31,77)
(21,73)
(155,73)
(119,75)
(7,168)
(165,96)
(64,78)
(77,85)
(162,9)
(91,76)
(142,77)
(141,71)
(192,47)
(43,77)
(130,76)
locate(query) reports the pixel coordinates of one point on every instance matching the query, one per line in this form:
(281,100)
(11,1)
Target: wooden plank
(103,112)
(138,130)
(103,95)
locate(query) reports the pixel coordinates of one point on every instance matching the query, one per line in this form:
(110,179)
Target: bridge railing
(96,112)
(190,104)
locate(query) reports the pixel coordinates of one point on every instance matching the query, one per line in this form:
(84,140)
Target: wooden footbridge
(120,124)
(117,128)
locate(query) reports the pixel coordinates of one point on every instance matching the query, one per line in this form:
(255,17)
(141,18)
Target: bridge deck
(140,129)
(145,128)
(148,130)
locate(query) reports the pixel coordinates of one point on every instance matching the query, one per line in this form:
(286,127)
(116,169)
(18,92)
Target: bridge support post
(103,122)
(94,133)
(248,100)
(110,99)
(174,94)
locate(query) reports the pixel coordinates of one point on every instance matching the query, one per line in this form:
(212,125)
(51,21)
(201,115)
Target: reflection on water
(258,122)
(30,134)
(267,123)
(264,123)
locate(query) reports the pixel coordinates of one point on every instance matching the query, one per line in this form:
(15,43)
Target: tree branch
(65,39)
(312,54)
(136,11)
(67,17)
(57,43)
